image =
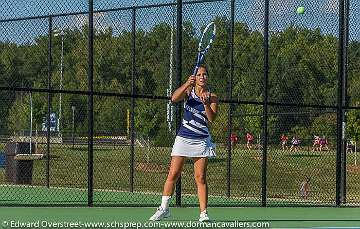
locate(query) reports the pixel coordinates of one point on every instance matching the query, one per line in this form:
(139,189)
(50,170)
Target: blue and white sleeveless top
(195,122)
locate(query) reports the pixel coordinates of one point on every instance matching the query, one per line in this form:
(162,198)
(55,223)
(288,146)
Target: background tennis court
(152,165)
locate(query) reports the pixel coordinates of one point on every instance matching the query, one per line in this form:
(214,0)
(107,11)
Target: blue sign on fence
(53,122)
(2,160)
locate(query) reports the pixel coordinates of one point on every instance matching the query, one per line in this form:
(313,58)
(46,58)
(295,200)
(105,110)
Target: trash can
(18,171)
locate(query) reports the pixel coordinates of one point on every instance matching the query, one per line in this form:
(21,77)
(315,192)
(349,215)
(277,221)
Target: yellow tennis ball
(300,10)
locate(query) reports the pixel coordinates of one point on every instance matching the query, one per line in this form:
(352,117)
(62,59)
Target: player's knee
(173,176)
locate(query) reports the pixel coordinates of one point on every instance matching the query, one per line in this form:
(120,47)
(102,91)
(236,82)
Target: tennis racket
(207,38)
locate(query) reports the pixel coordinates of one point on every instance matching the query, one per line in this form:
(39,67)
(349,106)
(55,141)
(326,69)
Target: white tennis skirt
(187,147)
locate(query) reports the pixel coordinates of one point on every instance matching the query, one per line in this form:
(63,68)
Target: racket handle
(196,69)
(199,60)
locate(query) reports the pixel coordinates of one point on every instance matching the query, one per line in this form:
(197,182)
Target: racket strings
(207,37)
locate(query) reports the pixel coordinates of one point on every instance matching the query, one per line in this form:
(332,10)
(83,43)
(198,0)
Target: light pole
(169,107)
(73,124)
(31,120)
(61,34)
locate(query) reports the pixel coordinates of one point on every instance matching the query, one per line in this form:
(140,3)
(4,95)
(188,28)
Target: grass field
(286,170)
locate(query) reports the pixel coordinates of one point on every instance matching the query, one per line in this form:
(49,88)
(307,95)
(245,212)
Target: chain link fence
(95,126)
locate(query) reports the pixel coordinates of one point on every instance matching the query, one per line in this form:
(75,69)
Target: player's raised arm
(180,93)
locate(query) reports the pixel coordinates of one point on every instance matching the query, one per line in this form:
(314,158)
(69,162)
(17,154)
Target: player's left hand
(205,98)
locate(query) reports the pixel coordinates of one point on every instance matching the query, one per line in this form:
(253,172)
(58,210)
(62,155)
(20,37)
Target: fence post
(49,103)
(340,113)
(265,106)
(344,99)
(132,132)
(90,103)
(229,146)
(178,82)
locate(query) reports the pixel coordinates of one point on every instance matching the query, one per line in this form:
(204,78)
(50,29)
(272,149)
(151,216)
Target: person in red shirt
(233,139)
(283,140)
(249,140)
(323,143)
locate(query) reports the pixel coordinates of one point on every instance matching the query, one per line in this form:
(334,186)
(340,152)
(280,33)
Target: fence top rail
(157,97)
(106,10)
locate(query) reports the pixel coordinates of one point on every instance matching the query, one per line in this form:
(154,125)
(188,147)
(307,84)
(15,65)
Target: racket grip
(195,69)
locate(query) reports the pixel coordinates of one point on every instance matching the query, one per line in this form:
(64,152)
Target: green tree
(324,125)
(353,125)
(19,115)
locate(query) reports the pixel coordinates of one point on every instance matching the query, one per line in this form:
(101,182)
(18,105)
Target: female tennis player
(193,140)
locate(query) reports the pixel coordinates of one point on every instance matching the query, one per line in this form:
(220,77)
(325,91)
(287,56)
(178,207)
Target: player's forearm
(180,93)
(210,114)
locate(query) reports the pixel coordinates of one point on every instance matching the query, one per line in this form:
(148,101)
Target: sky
(321,14)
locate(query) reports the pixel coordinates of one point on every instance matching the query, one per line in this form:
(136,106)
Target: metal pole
(340,114)
(228,175)
(345,99)
(49,104)
(265,106)
(132,130)
(61,79)
(355,154)
(178,80)
(170,108)
(90,103)
(36,137)
(73,126)
(31,121)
